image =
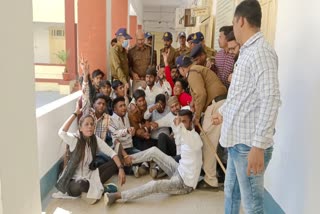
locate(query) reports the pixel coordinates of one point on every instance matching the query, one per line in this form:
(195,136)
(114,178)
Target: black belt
(220,97)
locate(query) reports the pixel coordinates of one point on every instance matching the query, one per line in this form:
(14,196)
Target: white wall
(48,11)
(0,199)
(159,19)
(293,175)
(49,119)
(138,8)
(20,187)
(41,41)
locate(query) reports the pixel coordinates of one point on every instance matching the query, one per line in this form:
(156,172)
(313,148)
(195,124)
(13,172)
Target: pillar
(71,39)
(133,29)
(92,42)
(119,14)
(20,183)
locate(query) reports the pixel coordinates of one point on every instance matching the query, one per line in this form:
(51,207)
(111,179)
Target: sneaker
(135,170)
(90,201)
(205,186)
(110,188)
(154,172)
(109,199)
(161,173)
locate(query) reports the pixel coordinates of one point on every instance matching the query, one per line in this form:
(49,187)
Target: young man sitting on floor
(184,175)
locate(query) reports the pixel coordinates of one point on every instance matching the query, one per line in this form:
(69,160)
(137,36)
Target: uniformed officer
(189,40)
(148,38)
(183,49)
(208,94)
(199,57)
(139,57)
(199,38)
(167,41)
(119,59)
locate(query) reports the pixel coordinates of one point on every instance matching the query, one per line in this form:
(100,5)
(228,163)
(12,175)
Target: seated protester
(166,143)
(156,112)
(81,176)
(90,87)
(120,90)
(122,134)
(105,87)
(180,87)
(184,175)
(162,82)
(120,126)
(141,140)
(152,90)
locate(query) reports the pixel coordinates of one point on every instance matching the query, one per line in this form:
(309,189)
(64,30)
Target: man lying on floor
(183,176)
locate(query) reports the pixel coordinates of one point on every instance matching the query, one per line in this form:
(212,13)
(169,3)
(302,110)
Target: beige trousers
(213,133)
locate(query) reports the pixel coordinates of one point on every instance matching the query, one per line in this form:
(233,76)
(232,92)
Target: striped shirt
(251,109)
(224,64)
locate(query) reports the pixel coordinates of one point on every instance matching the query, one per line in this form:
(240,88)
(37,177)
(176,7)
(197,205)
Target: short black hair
(231,37)
(160,97)
(162,65)
(186,112)
(114,40)
(116,84)
(138,93)
(152,71)
(226,30)
(184,83)
(116,100)
(97,72)
(101,96)
(251,10)
(104,83)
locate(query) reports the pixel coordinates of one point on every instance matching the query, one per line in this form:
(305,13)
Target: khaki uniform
(205,86)
(139,61)
(119,64)
(183,51)
(210,52)
(171,58)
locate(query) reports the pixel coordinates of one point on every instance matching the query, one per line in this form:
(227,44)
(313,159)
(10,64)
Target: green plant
(62,56)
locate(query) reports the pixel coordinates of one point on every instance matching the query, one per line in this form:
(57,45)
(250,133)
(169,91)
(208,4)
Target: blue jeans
(239,186)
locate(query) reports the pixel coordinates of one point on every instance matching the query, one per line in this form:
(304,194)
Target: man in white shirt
(183,175)
(249,114)
(152,90)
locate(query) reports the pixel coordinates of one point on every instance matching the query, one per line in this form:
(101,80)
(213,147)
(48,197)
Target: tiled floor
(196,202)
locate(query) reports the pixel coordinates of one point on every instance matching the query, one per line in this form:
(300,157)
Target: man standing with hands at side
(249,114)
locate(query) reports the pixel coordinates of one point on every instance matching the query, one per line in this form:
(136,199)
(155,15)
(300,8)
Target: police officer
(183,49)
(167,41)
(119,59)
(189,40)
(139,57)
(208,94)
(148,38)
(199,57)
(199,38)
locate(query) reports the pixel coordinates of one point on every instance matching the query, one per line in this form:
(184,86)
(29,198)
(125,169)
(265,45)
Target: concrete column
(71,38)
(119,14)
(20,186)
(92,42)
(133,29)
